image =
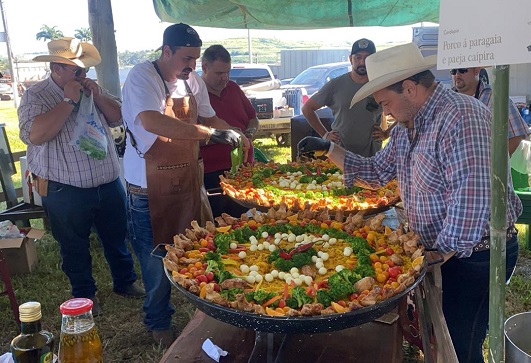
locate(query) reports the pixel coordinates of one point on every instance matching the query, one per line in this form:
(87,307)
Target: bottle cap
(76,306)
(30,312)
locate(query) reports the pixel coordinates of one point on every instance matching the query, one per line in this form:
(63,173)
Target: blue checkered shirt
(517,125)
(443,172)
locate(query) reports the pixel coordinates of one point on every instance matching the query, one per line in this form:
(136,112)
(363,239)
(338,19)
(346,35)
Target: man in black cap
(352,127)
(167,112)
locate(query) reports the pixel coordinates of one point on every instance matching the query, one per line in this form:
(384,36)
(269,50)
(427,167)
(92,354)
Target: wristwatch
(70,101)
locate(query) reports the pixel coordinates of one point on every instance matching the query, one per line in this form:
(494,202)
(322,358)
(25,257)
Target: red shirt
(235,108)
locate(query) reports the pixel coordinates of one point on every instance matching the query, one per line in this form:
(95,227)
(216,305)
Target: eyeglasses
(77,72)
(453,72)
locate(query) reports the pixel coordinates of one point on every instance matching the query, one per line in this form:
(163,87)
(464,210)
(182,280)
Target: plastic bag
(89,134)
(521,158)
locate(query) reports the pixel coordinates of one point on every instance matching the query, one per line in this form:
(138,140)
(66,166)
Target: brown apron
(175,177)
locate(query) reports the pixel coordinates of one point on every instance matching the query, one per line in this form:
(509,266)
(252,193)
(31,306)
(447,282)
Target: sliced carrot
(223,229)
(202,292)
(338,308)
(286,291)
(272,300)
(272,312)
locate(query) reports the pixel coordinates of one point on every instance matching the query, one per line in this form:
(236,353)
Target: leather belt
(135,189)
(484,243)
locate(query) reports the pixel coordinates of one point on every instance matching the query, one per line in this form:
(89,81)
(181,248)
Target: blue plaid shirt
(517,125)
(443,172)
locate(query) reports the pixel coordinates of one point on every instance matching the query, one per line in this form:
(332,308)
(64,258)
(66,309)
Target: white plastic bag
(521,158)
(89,134)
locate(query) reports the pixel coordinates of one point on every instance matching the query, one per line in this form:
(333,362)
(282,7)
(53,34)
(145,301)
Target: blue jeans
(157,307)
(72,213)
(465,284)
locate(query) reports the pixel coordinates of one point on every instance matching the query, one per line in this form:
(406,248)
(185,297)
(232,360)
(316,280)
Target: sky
(137,27)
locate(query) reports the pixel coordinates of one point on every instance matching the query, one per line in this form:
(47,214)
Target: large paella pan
(314,185)
(284,272)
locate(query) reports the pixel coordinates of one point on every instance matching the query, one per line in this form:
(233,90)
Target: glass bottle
(33,345)
(80,342)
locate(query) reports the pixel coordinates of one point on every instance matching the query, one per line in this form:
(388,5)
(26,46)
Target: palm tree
(49,33)
(83,34)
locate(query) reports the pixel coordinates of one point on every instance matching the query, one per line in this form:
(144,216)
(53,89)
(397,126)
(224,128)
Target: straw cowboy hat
(392,65)
(71,51)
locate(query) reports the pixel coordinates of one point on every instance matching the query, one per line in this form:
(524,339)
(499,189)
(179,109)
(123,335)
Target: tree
(83,34)
(49,33)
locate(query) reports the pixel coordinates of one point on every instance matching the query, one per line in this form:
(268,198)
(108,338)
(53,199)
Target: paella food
(317,184)
(284,263)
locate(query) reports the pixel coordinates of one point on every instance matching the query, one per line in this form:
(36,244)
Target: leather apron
(175,177)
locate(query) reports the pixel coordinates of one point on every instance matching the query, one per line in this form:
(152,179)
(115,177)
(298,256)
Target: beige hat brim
(377,84)
(89,58)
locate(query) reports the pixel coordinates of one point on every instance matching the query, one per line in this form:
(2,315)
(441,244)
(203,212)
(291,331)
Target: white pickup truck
(259,82)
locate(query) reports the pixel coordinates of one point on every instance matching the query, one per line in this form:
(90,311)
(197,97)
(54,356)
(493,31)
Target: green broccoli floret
(242,235)
(258,180)
(341,284)
(259,296)
(298,298)
(215,267)
(283,265)
(305,258)
(364,270)
(324,298)
(230,294)
(225,275)
(214,256)
(222,242)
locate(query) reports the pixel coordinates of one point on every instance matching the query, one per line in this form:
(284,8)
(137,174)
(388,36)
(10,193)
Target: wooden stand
(371,342)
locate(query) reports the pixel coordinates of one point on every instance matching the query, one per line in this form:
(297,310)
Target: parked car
(313,78)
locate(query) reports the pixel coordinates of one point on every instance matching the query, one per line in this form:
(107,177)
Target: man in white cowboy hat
(468,82)
(353,126)
(441,158)
(79,193)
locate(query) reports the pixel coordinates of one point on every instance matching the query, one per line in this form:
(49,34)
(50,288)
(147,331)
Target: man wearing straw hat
(79,192)
(441,158)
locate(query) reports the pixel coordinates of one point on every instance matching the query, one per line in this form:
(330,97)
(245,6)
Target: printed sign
(480,33)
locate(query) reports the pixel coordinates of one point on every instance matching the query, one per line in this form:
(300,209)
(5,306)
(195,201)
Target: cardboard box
(25,187)
(20,253)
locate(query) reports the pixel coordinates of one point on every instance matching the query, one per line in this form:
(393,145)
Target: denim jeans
(73,212)
(157,307)
(465,284)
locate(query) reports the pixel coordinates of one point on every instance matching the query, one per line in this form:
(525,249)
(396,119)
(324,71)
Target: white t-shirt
(143,91)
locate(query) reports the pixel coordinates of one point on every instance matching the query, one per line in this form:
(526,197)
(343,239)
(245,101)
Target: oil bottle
(33,345)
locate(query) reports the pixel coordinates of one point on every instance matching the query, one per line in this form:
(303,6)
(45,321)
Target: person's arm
(309,111)
(46,126)
(380,134)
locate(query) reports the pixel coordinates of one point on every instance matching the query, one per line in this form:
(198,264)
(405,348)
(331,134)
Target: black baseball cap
(182,35)
(363,45)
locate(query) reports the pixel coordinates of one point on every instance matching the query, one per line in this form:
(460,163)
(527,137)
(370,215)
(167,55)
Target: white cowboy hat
(71,51)
(392,65)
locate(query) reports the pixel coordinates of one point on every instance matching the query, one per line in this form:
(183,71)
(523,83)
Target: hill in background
(265,50)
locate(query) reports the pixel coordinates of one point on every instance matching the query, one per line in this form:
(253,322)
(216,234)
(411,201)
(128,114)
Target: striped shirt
(443,173)
(517,125)
(57,160)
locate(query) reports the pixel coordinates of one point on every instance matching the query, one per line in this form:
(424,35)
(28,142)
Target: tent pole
(498,211)
(249,46)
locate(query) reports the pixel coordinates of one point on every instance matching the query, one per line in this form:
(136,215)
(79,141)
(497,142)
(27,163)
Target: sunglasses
(453,72)
(77,72)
